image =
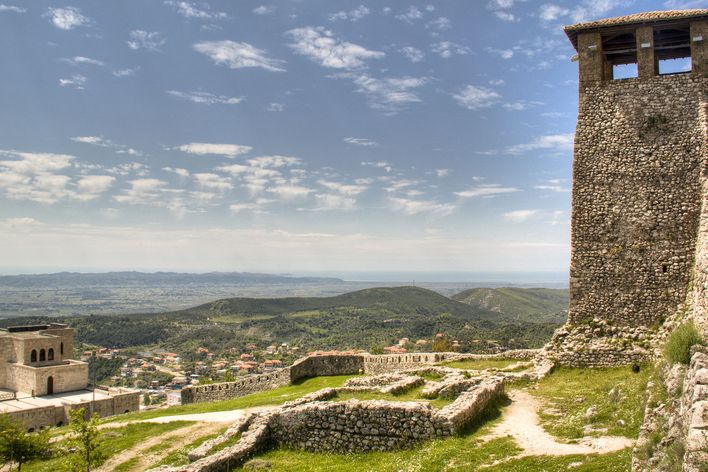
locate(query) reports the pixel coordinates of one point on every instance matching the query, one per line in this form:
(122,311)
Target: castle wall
(238,388)
(639,152)
(313,366)
(380,364)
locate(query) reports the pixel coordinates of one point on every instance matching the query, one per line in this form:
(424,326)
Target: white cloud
(228,150)
(551,142)
(177,170)
(550,12)
(95,140)
(352,15)
(684,4)
(238,55)
(486,191)
(553,185)
(149,40)
(441,24)
(205,98)
(192,11)
(66,18)
(414,207)
(76,60)
(506,16)
(141,191)
(275,106)
(501,7)
(125,72)
(585,11)
(273,161)
(31,176)
(91,186)
(476,97)
(320,45)
(76,81)
(213,181)
(348,190)
(11,8)
(380,164)
(503,53)
(289,191)
(519,216)
(35,163)
(442,172)
(361,142)
(334,202)
(389,94)
(264,10)
(410,15)
(413,54)
(447,49)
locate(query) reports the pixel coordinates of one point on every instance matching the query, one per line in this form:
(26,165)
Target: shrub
(678,346)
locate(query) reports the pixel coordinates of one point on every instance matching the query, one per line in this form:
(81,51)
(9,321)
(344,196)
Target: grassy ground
(270,397)
(480,364)
(412,395)
(466,452)
(179,457)
(616,395)
(115,440)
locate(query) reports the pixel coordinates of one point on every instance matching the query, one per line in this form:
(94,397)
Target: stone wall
(694,412)
(639,152)
(380,364)
(313,366)
(237,388)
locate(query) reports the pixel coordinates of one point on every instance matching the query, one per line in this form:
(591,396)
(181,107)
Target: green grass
(481,364)
(465,452)
(115,440)
(179,457)
(568,393)
(678,346)
(412,395)
(271,397)
(228,443)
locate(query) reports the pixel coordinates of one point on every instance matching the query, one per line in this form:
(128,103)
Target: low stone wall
(601,357)
(381,364)
(314,366)
(694,409)
(238,388)
(510,354)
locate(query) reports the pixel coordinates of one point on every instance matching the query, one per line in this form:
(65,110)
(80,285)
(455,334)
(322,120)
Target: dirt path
(520,420)
(175,439)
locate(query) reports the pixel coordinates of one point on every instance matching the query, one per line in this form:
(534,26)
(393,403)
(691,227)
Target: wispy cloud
(352,15)
(411,15)
(213,181)
(238,55)
(92,186)
(380,164)
(447,49)
(67,18)
(349,190)
(331,202)
(275,106)
(520,216)
(12,8)
(555,143)
(76,81)
(361,142)
(553,185)
(413,54)
(192,11)
(148,40)
(501,9)
(264,10)
(288,191)
(486,191)
(322,47)
(584,11)
(79,60)
(125,72)
(475,97)
(411,206)
(390,94)
(106,143)
(205,98)
(228,150)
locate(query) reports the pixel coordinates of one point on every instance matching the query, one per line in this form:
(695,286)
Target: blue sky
(289,136)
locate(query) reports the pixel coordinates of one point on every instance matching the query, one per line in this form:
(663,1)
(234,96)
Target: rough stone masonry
(639,185)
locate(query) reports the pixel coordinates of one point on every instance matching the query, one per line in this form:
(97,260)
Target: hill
(364,319)
(534,305)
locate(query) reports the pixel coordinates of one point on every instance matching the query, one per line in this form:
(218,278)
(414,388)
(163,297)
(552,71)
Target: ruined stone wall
(238,388)
(639,152)
(313,366)
(380,364)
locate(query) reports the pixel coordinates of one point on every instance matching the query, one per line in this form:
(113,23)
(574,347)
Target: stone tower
(639,183)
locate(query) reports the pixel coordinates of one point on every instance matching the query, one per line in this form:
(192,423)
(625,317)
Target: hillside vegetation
(365,319)
(534,305)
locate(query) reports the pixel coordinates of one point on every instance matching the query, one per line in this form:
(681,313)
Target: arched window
(42,355)
(61,349)
(50,354)
(33,356)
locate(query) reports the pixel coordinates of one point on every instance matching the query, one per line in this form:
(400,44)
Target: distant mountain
(76,280)
(534,305)
(363,319)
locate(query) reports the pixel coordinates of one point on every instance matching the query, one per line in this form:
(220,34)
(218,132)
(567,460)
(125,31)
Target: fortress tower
(639,183)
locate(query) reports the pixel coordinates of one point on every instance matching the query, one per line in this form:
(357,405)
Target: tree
(146,399)
(86,442)
(18,446)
